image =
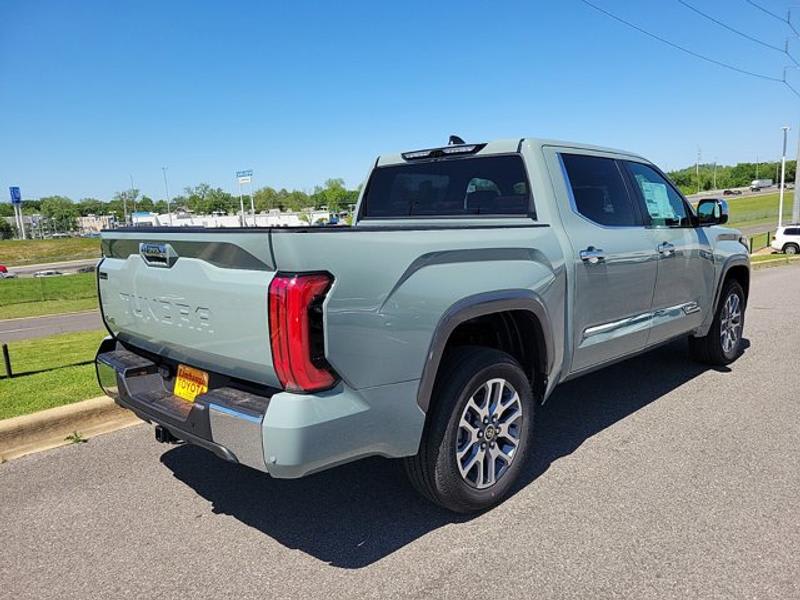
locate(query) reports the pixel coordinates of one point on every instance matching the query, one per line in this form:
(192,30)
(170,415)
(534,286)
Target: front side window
(664,205)
(599,190)
(480,185)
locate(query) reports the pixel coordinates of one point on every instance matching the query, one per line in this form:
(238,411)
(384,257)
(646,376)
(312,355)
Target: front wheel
(723,343)
(478,433)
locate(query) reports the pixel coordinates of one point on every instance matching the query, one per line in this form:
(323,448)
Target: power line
(789,23)
(766,10)
(729,28)
(681,48)
(792,88)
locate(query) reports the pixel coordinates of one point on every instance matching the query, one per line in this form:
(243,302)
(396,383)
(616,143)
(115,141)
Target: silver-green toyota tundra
(474,279)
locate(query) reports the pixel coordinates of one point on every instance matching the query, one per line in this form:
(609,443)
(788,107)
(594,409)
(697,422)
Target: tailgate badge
(156,254)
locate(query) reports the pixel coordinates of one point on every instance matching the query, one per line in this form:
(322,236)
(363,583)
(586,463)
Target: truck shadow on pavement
(357,514)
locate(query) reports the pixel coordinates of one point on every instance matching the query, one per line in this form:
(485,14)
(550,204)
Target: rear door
(684,290)
(198,298)
(613,259)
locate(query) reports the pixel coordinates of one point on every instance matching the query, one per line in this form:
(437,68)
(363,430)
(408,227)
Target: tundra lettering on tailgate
(168,312)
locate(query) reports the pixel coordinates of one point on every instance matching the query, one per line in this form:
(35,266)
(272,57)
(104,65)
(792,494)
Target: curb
(774,262)
(48,428)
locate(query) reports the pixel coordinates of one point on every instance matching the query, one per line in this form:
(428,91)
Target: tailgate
(195,297)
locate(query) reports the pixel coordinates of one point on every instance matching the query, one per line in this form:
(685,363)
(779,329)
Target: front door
(613,259)
(685,259)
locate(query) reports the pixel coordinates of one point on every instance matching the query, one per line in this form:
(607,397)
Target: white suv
(787,239)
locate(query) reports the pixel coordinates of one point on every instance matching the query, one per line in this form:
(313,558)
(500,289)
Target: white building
(94,223)
(274,218)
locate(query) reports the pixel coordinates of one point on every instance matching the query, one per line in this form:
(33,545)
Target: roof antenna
(454,139)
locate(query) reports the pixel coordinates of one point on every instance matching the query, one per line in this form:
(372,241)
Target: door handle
(592,255)
(666,249)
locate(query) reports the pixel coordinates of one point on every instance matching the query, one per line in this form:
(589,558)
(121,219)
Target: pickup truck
(473,280)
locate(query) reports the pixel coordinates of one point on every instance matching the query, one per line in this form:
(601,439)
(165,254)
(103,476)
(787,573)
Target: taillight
(295,323)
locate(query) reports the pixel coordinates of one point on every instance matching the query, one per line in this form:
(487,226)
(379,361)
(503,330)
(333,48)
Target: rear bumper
(286,435)
(226,421)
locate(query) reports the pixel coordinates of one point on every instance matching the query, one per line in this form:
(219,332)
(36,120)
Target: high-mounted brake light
(445,151)
(296,335)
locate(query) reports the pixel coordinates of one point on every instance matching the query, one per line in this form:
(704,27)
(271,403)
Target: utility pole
(132,195)
(166,189)
(697,169)
(715,172)
(796,200)
(756,166)
(783,177)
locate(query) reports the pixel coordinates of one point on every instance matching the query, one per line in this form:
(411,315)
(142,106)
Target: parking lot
(655,478)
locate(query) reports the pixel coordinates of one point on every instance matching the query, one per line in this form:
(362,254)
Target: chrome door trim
(634,323)
(625,323)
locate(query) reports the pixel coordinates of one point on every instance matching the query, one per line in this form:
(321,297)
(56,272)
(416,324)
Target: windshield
(490,185)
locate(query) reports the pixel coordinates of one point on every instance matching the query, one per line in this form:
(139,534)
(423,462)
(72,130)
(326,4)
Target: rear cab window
(492,185)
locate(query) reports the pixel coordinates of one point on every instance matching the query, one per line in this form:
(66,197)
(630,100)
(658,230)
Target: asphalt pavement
(35,327)
(64,266)
(654,478)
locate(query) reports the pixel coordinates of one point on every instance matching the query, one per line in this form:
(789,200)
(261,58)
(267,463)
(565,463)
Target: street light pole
(783,177)
(166,188)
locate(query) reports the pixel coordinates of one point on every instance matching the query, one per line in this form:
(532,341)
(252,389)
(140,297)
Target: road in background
(65,266)
(36,327)
(654,478)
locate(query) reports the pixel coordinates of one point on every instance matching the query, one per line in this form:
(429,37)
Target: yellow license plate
(190,383)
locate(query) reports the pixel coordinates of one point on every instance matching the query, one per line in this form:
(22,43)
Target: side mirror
(712,211)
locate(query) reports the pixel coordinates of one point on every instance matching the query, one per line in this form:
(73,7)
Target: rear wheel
(723,343)
(478,433)
(791,249)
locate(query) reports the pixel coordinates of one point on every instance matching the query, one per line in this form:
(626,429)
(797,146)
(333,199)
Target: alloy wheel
(489,433)
(730,329)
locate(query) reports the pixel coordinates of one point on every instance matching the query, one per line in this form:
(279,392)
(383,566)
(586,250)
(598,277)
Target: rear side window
(599,190)
(792,231)
(487,185)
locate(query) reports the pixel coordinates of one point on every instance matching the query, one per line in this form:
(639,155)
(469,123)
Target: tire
(791,249)
(712,349)
(456,435)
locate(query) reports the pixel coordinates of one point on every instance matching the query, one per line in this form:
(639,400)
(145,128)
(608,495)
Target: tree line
(61,212)
(740,175)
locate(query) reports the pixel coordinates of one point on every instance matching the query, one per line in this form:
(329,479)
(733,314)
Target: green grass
(31,252)
(64,384)
(46,295)
(751,211)
(48,307)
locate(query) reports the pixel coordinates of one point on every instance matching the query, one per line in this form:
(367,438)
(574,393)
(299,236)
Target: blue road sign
(247,173)
(16,195)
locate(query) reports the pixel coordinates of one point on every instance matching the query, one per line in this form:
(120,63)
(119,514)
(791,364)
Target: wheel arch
(520,314)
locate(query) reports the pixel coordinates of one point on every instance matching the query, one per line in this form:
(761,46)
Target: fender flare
(735,260)
(474,306)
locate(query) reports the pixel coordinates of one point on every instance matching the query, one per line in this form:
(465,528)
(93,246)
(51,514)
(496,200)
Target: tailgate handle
(156,254)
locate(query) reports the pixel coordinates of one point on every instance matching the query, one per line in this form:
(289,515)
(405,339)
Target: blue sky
(93,92)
